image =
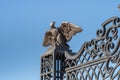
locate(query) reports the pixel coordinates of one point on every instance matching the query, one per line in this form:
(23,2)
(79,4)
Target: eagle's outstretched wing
(69,30)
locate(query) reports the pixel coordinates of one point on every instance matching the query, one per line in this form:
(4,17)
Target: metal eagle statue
(59,36)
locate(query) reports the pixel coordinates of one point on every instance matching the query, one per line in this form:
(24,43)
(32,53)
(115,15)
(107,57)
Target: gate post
(52,64)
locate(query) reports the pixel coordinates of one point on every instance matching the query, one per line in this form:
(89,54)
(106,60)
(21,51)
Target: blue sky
(23,24)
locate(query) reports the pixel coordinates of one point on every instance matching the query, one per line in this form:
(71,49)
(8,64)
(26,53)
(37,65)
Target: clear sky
(23,24)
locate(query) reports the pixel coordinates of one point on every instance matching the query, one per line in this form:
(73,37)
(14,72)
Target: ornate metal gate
(98,59)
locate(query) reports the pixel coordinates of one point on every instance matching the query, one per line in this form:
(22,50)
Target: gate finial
(59,36)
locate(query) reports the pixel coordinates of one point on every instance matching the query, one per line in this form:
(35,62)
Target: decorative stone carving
(58,37)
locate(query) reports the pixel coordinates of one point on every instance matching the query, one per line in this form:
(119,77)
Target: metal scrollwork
(99,57)
(107,42)
(113,66)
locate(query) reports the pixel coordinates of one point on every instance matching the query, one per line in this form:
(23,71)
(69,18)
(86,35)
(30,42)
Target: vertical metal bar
(61,67)
(41,69)
(54,65)
(66,76)
(57,69)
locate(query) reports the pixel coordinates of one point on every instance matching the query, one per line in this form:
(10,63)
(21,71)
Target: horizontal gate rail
(87,64)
